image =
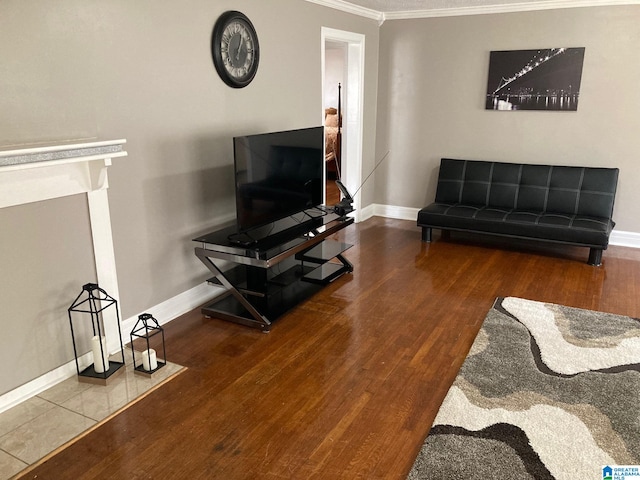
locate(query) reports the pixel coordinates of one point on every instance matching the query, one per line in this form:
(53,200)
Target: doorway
(343,64)
(335,61)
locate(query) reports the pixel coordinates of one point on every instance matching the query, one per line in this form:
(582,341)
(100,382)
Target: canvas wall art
(542,79)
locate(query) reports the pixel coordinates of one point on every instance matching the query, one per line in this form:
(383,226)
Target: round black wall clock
(235,49)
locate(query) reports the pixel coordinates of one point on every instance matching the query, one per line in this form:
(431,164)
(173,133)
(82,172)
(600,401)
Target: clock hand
(239,48)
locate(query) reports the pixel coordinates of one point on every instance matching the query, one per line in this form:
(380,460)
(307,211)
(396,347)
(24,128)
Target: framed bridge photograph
(543,79)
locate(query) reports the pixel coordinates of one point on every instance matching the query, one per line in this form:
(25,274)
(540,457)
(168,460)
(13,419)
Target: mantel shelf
(42,173)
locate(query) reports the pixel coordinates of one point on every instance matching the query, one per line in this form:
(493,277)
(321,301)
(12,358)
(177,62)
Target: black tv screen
(277,175)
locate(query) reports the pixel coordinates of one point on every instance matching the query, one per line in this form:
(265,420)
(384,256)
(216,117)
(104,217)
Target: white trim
(105,257)
(507,8)
(35,174)
(381,17)
(399,213)
(22,150)
(40,384)
(367,212)
(163,313)
(174,307)
(353,124)
(625,239)
(351,8)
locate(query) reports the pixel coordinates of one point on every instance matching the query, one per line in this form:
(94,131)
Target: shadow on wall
(194,195)
(197,189)
(432,183)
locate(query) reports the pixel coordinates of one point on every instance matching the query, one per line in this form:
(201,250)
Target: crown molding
(380,17)
(351,8)
(506,8)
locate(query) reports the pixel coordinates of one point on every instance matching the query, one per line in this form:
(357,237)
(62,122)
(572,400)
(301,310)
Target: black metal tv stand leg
(258,321)
(347,264)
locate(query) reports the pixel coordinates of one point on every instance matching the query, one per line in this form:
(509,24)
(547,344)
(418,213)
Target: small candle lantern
(94,301)
(147,362)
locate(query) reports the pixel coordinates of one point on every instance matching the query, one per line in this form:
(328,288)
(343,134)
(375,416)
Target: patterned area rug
(546,392)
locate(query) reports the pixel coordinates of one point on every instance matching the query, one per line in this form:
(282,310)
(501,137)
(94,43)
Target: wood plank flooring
(346,385)
(332,192)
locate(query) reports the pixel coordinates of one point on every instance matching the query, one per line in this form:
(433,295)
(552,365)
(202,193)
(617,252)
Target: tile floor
(38,426)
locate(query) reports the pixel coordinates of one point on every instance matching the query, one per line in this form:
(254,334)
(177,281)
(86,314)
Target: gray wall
(99,70)
(433,78)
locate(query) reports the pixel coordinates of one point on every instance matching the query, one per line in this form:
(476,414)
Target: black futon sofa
(562,204)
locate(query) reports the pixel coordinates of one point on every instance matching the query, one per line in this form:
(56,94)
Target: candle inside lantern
(100,355)
(149,360)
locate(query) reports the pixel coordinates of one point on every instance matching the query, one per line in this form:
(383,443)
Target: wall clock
(235,49)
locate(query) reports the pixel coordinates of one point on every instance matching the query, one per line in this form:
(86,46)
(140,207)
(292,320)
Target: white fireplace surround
(43,173)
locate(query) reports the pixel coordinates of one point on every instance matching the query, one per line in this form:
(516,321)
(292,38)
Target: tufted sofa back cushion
(586,191)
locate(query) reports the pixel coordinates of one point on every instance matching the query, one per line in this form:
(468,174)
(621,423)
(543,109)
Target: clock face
(235,50)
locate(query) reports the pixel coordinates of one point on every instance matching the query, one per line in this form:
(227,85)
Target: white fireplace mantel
(43,173)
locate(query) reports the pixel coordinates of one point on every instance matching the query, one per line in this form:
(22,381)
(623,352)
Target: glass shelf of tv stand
(293,235)
(315,265)
(273,275)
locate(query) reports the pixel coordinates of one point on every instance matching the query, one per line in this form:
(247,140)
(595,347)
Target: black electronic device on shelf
(344,206)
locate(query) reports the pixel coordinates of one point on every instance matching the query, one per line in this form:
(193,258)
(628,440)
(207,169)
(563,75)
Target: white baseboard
(34,387)
(163,313)
(399,213)
(174,307)
(618,238)
(625,239)
(366,213)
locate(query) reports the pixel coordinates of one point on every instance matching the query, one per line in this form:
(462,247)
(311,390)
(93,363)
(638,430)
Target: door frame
(351,158)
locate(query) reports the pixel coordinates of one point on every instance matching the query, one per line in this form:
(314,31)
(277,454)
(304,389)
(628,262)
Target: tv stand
(268,277)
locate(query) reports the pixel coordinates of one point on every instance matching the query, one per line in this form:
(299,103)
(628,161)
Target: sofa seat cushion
(559,227)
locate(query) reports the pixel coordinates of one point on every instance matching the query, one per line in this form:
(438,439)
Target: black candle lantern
(94,301)
(145,328)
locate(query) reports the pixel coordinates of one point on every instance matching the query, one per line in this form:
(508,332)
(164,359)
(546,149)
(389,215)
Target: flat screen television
(277,175)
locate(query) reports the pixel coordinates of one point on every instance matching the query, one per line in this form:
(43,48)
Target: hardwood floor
(332,192)
(347,384)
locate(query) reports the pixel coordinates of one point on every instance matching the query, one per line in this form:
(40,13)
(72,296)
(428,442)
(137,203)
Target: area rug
(546,392)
